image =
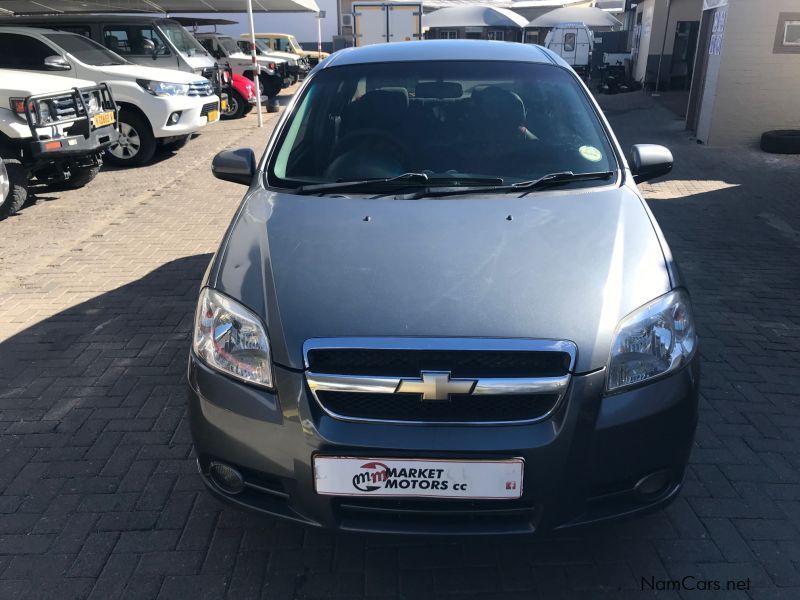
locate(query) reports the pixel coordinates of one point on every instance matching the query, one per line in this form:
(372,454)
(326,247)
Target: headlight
(653,340)
(43,112)
(93,102)
(162,88)
(230,338)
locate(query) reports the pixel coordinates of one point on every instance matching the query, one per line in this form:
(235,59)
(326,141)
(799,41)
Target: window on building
(448,34)
(791,33)
(531,37)
(495,35)
(128,40)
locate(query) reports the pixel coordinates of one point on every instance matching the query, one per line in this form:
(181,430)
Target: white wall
(756,90)
(302,25)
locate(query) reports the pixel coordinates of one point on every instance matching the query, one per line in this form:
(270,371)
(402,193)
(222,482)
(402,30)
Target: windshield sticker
(590,153)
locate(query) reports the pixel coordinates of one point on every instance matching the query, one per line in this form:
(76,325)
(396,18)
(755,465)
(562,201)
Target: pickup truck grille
(430,380)
(200,88)
(207,108)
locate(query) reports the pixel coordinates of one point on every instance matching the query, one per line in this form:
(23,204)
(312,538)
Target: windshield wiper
(551,179)
(404,180)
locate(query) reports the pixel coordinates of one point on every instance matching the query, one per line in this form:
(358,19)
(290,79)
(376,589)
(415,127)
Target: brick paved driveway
(99,493)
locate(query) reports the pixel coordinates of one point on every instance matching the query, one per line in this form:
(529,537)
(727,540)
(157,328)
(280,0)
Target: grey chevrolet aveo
(443,305)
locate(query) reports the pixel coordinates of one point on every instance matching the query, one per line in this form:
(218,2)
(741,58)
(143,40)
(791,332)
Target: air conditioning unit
(347,20)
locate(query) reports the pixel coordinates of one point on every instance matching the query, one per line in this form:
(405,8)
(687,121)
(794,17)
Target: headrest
(438,89)
(379,107)
(500,105)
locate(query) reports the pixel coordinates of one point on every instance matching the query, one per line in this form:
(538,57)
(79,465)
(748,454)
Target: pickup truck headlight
(653,340)
(40,110)
(163,88)
(230,338)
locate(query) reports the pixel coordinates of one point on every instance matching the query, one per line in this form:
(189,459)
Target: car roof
(442,50)
(29,30)
(83,18)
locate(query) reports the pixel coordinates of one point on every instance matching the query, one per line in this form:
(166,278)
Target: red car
(242,96)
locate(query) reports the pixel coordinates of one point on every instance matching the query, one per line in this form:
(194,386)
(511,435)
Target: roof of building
(428,50)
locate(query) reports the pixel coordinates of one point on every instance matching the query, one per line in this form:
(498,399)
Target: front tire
(136,144)
(78,178)
(13,186)
(237,106)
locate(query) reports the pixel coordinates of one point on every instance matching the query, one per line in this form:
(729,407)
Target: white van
(573,42)
(157,106)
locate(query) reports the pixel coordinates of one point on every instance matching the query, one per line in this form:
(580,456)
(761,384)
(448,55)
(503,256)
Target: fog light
(654,484)
(226,478)
(174,117)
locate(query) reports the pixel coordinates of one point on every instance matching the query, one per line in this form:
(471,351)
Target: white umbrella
(474,15)
(591,17)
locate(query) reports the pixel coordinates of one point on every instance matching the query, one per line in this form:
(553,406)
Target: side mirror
(236,166)
(650,161)
(56,63)
(149,46)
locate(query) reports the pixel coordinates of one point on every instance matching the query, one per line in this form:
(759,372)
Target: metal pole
(663,47)
(319,37)
(256,67)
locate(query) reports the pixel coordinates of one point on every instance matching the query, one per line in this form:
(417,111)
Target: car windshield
(230,45)
(182,39)
(456,120)
(294,45)
(85,50)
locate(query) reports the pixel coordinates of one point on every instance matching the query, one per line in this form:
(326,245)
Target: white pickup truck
(54,129)
(156,106)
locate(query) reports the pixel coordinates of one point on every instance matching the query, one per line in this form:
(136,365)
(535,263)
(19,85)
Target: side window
(129,40)
(23,52)
(209,46)
(79,29)
(569,42)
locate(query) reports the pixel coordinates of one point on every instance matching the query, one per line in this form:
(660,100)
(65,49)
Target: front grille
(207,108)
(200,88)
(460,363)
(65,108)
(461,408)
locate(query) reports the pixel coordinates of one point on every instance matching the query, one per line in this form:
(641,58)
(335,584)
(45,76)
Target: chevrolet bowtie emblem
(435,385)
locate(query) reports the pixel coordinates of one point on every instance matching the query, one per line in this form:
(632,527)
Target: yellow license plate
(103,119)
(223,104)
(213,115)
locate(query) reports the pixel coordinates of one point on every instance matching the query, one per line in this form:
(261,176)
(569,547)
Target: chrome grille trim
(200,88)
(484,386)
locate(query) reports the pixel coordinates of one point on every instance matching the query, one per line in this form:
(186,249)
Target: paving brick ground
(99,494)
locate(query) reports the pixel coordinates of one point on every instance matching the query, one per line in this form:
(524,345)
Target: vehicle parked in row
(150,41)
(242,97)
(444,306)
(285,42)
(298,66)
(157,106)
(52,129)
(574,43)
(274,72)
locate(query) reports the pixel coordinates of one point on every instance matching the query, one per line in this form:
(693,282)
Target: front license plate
(223,104)
(103,119)
(213,115)
(382,477)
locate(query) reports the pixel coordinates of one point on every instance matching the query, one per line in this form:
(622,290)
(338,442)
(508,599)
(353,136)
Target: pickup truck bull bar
(70,106)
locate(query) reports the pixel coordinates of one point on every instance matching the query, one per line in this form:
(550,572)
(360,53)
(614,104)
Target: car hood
(18,83)
(562,266)
(132,72)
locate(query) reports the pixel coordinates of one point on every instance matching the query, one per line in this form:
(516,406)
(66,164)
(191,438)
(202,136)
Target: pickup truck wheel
(136,144)
(78,178)
(13,186)
(236,106)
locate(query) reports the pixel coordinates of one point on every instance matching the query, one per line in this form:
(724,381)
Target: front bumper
(74,145)
(195,112)
(582,465)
